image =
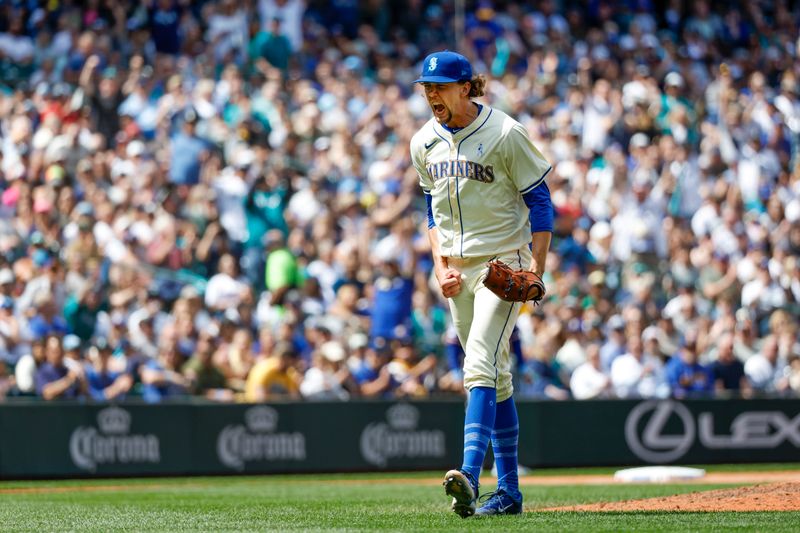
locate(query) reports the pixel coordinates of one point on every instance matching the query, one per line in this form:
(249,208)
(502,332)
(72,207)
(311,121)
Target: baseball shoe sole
(458,486)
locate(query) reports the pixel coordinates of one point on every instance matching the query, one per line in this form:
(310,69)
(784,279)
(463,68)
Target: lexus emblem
(648,441)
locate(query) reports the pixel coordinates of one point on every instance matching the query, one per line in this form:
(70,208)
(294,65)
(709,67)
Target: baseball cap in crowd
(190,116)
(673,79)
(485,11)
(721,255)
(650,333)
(333,351)
(358,341)
(118,318)
(84,208)
(639,140)
(597,278)
(71,342)
(41,258)
(6,276)
(101,343)
(189,292)
(616,322)
(135,148)
(445,67)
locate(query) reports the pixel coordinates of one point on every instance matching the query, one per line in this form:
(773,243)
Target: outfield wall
(41,440)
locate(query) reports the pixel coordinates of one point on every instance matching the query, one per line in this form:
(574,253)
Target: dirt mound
(767,497)
(711,477)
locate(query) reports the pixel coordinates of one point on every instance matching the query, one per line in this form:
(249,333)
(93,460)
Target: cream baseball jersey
(476,178)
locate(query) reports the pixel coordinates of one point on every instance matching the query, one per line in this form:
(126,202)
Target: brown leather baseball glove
(514,285)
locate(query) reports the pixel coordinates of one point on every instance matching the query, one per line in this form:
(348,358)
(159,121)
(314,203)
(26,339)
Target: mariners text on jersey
(461,168)
(476,178)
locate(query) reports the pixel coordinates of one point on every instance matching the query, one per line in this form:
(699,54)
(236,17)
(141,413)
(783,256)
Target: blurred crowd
(215,198)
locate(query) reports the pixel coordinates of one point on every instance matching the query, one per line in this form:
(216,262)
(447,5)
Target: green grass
(335,503)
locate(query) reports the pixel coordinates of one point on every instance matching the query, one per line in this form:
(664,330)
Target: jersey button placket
(455,250)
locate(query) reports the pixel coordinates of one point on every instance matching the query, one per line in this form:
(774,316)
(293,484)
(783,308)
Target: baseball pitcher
(490,221)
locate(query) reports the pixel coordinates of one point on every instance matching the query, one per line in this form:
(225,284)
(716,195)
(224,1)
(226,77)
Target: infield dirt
(763,497)
(710,478)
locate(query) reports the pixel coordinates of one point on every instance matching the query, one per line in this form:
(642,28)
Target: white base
(658,474)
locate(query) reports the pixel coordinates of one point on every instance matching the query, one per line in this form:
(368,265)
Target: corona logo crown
(114,421)
(402,416)
(261,419)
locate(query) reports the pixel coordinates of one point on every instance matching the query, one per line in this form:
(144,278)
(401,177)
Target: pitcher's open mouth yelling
(440,112)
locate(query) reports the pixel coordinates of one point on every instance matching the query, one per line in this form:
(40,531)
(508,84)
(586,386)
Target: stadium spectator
(282,271)
(53,379)
(765,370)
(368,365)
(411,374)
(615,342)
(685,375)
(12,345)
(541,376)
(453,378)
(288,11)
(794,374)
(727,371)
(103,383)
(162,378)
(588,381)
(393,289)
(226,289)
(188,151)
(272,45)
(81,310)
(637,374)
(205,378)
(274,376)
(328,378)
(73,356)
(164,18)
(235,358)
(7,380)
(256,154)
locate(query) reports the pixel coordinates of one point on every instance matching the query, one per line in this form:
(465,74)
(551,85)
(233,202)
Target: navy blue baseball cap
(445,67)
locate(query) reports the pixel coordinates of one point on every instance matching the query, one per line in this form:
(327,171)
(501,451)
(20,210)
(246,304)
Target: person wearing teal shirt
(263,207)
(81,310)
(272,45)
(276,48)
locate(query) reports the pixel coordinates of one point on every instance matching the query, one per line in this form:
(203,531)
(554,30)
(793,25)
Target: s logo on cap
(445,67)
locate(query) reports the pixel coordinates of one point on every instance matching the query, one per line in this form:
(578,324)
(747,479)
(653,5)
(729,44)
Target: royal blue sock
(478,426)
(505,441)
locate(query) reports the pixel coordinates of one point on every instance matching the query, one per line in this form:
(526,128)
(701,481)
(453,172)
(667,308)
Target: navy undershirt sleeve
(431,222)
(538,201)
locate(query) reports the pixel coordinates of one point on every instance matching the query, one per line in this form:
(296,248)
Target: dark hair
(477,85)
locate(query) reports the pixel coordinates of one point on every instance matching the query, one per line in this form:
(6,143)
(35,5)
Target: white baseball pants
(484,323)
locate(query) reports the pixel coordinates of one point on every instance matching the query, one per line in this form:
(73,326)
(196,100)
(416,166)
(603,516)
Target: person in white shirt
(224,289)
(588,380)
(636,374)
(326,379)
(765,370)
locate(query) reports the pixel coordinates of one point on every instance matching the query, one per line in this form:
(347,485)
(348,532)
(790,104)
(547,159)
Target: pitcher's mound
(767,497)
